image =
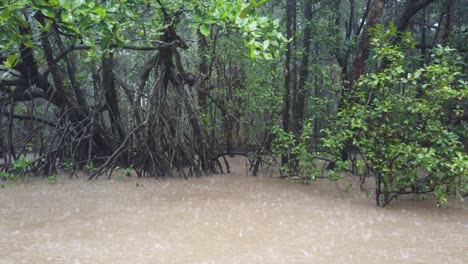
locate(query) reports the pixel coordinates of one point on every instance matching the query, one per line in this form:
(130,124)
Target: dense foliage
(315,88)
(399,123)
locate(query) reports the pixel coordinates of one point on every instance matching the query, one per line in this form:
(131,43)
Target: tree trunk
(394,10)
(424,39)
(11,147)
(300,93)
(448,23)
(359,65)
(289,75)
(110,93)
(2,137)
(202,89)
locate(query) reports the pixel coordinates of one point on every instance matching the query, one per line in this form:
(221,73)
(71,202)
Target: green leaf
(89,41)
(48,12)
(101,12)
(252,26)
(225,15)
(266,44)
(71,28)
(210,21)
(267,56)
(65,4)
(245,11)
(40,3)
(66,17)
(28,43)
(75,3)
(105,43)
(254,3)
(11,61)
(205,30)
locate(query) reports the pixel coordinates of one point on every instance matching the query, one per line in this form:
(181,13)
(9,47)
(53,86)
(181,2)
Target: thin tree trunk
(394,10)
(288,78)
(2,137)
(202,89)
(423,38)
(300,95)
(110,94)
(350,25)
(11,147)
(448,23)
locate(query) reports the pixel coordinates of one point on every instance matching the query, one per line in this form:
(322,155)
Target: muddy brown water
(232,218)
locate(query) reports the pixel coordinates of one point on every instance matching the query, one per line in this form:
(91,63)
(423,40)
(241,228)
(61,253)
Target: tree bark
(359,65)
(288,69)
(423,38)
(300,93)
(394,10)
(11,147)
(202,89)
(111,97)
(2,137)
(448,22)
(411,8)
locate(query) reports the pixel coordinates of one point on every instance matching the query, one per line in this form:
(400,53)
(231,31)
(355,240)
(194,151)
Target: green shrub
(400,123)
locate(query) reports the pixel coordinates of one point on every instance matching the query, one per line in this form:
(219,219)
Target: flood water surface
(232,218)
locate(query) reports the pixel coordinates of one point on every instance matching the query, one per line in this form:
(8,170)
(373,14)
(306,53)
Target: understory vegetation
(319,89)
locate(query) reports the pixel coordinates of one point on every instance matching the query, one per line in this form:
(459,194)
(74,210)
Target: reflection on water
(230,218)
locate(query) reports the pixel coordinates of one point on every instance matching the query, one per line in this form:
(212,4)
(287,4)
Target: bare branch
(158,44)
(31,118)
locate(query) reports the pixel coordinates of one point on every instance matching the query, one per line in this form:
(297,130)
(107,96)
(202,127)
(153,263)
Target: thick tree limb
(411,8)
(31,118)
